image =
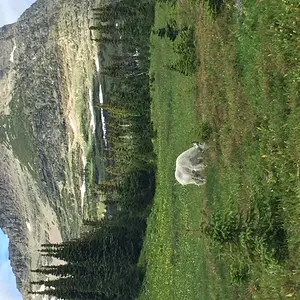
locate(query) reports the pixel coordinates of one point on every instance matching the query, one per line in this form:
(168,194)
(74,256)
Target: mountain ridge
(46,68)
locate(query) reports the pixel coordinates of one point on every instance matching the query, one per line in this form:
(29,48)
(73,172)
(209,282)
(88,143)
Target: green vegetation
(228,74)
(236,238)
(173,252)
(103,263)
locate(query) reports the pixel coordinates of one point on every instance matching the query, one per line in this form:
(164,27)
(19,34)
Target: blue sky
(8,289)
(10,10)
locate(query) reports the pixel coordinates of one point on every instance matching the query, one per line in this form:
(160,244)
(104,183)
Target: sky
(10,10)
(8,289)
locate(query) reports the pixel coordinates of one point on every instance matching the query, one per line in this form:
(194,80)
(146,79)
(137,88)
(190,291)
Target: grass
(244,100)
(174,253)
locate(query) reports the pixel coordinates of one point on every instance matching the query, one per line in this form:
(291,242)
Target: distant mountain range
(46,66)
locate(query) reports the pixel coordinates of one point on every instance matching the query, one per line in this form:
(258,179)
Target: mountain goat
(189,165)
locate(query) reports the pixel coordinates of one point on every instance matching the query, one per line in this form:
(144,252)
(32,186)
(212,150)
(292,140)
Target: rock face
(46,72)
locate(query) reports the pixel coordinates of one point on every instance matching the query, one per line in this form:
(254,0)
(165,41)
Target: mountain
(47,64)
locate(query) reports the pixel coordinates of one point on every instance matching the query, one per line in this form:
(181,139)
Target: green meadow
(237,237)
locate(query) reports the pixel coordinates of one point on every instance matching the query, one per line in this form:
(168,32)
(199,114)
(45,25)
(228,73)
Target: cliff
(46,72)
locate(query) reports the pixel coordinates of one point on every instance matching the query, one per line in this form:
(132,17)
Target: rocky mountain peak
(46,65)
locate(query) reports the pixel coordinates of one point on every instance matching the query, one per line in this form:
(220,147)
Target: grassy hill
(238,236)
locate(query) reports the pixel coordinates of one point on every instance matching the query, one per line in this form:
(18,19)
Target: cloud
(8,288)
(10,10)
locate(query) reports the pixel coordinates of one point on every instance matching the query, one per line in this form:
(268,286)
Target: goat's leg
(200,181)
(199,167)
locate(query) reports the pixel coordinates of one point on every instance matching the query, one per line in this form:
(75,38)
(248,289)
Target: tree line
(103,262)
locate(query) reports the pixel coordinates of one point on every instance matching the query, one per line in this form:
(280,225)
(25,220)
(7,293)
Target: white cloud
(10,10)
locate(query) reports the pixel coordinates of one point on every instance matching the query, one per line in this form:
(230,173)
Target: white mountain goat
(189,165)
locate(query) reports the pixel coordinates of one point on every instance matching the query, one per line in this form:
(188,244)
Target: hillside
(47,64)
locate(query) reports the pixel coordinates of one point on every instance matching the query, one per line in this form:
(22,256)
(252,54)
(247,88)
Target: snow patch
(83,159)
(83,187)
(28,225)
(102,116)
(11,59)
(82,193)
(93,119)
(103,127)
(100,94)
